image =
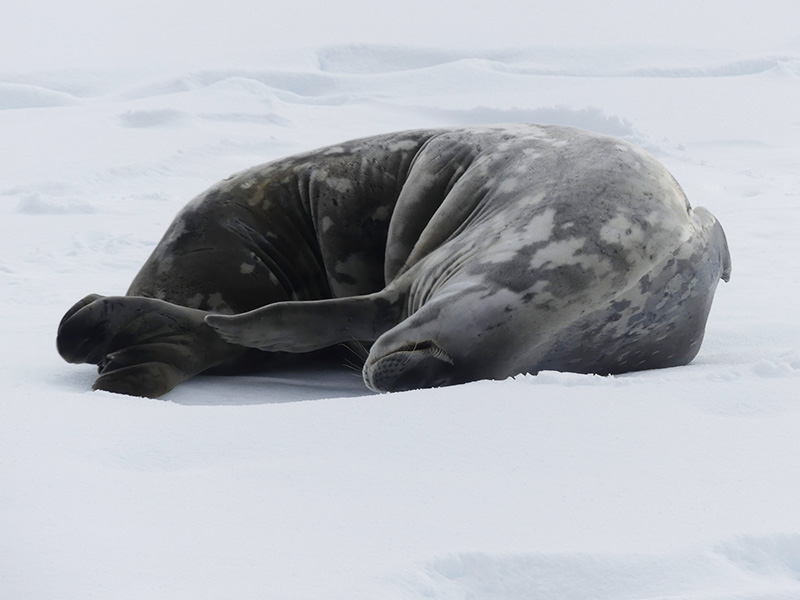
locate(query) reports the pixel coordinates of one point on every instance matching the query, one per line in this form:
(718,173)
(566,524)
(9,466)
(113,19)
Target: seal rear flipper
(721,242)
(71,338)
(182,352)
(311,325)
(92,329)
(86,330)
(152,369)
(77,306)
(715,238)
(143,346)
(148,380)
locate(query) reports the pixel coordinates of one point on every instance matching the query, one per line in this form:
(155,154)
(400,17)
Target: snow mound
(589,118)
(18,95)
(787,365)
(367,59)
(248,80)
(153,118)
(36,204)
(747,569)
(611,61)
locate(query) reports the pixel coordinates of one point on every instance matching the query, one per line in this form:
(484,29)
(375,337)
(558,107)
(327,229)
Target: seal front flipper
(312,325)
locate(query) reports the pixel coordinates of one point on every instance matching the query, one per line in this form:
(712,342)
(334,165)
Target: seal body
(455,255)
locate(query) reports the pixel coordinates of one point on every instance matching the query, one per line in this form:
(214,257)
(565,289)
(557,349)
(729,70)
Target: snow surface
(680,483)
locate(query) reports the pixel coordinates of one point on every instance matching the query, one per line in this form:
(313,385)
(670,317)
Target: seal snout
(412,366)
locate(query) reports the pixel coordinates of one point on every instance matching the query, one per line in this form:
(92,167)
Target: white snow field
(680,483)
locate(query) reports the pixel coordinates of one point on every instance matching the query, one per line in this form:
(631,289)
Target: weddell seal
(453,255)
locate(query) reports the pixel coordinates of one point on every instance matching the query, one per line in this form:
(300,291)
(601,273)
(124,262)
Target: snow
(679,483)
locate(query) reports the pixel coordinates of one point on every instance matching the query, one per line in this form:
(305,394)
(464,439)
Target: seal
(453,255)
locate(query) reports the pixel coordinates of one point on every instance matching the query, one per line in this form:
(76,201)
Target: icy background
(681,483)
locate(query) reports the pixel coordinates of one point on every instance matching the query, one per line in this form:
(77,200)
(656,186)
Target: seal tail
(722,243)
(716,240)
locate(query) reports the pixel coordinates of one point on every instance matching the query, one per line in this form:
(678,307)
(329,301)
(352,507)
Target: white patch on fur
(558,253)
(621,230)
(216,302)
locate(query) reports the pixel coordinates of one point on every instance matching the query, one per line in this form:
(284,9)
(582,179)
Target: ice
(678,483)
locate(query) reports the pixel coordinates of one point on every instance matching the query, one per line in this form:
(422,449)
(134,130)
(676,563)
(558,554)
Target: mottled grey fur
(458,254)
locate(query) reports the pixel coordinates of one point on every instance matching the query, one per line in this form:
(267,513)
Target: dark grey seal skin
(454,255)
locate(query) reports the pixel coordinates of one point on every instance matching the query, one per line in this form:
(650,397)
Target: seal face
(458,254)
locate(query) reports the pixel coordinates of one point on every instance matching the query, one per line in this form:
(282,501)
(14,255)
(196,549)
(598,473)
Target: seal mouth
(411,366)
(428,347)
